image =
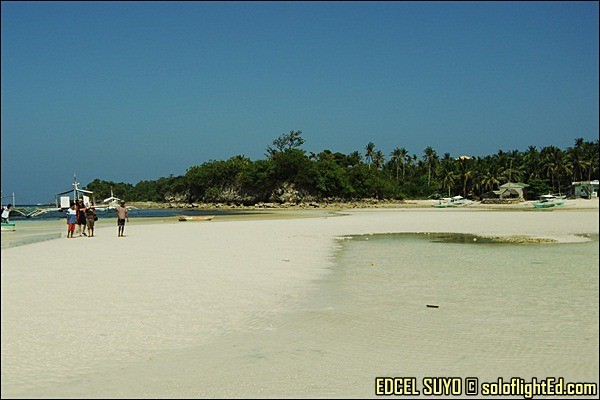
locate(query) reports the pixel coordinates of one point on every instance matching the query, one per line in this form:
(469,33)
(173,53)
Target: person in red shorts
(71,221)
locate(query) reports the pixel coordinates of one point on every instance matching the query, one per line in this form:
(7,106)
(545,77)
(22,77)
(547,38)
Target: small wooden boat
(8,226)
(184,218)
(432,306)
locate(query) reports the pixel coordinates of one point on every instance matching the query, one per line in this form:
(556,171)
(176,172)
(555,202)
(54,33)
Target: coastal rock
(288,193)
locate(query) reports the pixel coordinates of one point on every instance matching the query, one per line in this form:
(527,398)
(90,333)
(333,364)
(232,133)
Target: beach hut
(511,190)
(586,189)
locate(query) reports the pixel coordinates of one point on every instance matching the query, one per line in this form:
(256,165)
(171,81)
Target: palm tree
(395,157)
(548,159)
(370,149)
(404,159)
(531,162)
(353,159)
(512,173)
(429,157)
(591,155)
(490,179)
(464,171)
(477,177)
(562,164)
(580,163)
(446,172)
(578,159)
(378,159)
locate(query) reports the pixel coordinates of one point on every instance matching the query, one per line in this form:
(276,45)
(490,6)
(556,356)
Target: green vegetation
(289,174)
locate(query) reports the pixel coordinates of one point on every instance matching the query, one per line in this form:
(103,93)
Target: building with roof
(511,190)
(586,189)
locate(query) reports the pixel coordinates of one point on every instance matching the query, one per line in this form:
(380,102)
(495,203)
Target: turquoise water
(503,309)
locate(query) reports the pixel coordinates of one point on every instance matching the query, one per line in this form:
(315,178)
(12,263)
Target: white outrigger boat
(450,202)
(110,203)
(63,201)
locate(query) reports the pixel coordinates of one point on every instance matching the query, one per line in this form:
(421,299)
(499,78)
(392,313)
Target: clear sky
(135,91)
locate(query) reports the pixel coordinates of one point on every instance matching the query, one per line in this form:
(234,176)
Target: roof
(506,190)
(587,182)
(513,185)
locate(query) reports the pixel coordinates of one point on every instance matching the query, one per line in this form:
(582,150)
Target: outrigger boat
(549,201)
(8,226)
(63,203)
(450,202)
(110,203)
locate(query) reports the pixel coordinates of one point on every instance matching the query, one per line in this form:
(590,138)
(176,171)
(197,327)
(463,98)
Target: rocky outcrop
(287,193)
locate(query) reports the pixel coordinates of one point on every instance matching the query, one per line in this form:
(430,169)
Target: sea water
(496,310)
(502,309)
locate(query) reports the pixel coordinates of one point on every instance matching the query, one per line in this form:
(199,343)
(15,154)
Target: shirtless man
(122,215)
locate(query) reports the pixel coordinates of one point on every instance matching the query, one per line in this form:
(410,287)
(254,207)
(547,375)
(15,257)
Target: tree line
(289,173)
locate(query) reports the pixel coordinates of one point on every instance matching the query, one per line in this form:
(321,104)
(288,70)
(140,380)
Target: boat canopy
(71,191)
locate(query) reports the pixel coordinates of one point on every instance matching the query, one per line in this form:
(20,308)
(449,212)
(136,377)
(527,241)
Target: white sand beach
(147,314)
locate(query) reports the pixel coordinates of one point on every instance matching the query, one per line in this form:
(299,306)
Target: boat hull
(8,226)
(544,205)
(185,218)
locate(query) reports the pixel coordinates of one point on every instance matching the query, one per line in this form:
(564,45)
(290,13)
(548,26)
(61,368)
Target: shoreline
(119,303)
(570,204)
(52,229)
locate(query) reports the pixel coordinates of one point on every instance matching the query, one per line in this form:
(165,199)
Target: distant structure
(509,190)
(587,189)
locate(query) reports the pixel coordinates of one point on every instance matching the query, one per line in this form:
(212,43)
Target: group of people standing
(82,216)
(85,217)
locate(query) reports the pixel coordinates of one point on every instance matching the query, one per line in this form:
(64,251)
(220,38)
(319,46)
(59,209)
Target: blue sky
(136,91)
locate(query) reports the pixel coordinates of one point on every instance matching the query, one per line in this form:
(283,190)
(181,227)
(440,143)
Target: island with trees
(290,175)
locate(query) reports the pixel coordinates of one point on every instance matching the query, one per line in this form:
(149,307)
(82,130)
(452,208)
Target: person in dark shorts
(122,215)
(81,219)
(90,215)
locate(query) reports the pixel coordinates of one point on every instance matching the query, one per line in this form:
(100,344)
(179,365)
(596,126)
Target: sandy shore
(571,204)
(74,311)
